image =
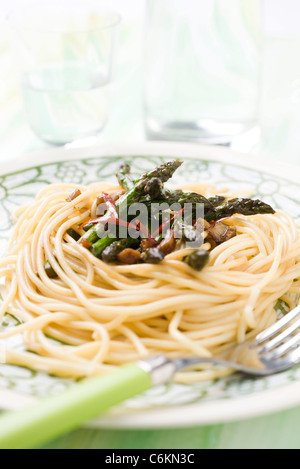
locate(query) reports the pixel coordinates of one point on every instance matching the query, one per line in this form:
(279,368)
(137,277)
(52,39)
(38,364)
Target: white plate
(172,406)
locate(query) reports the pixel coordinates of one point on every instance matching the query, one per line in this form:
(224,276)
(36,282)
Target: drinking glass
(202,69)
(65,57)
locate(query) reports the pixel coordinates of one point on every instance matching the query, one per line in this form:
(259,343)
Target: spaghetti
(93,316)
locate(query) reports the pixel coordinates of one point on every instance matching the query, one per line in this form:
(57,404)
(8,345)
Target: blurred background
(279,110)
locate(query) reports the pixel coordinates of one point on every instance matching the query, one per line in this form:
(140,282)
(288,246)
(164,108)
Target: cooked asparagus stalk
(143,185)
(177,196)
(98,247)
(217,200)
(197,199)
(243,206)
(124,177)
(162,172)
(71,232)
(182,222)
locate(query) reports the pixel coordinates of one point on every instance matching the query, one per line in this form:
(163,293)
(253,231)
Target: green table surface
(280,139)
(277,431)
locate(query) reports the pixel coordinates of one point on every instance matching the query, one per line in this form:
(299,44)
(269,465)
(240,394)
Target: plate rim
(258,403)
(158,148)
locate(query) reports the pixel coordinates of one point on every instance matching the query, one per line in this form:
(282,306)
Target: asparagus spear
(124,178)
(184,227)
(179,197)
(242,206)
(194,198)
(217,200)
(73,234)
(102,243)
(141,187)
(91,235)
(162,172)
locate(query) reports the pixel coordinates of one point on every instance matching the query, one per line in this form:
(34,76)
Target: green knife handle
(55,415)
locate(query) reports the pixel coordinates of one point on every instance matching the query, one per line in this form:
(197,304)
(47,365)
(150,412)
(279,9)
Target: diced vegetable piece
(197,259)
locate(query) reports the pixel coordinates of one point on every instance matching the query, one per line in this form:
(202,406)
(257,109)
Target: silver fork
(273,350)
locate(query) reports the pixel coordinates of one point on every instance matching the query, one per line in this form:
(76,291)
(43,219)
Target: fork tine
(279,338)
(293,358)
(276,328)
(286,346)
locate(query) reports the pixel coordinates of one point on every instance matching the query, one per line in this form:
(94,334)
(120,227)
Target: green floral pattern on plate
(20,187)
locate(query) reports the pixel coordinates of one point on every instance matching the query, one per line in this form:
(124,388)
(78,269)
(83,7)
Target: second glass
(202,69)
(65,58)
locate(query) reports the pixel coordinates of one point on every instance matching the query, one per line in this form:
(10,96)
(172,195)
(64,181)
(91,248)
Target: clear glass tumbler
(202,69)
(65,57)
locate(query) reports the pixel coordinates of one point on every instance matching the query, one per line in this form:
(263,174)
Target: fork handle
(52,416)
